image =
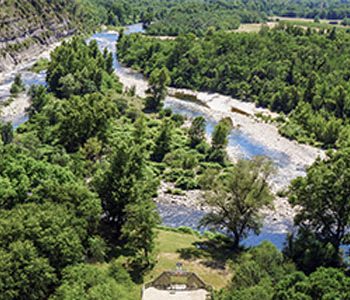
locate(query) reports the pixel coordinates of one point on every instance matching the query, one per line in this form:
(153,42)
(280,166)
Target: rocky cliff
(28,26)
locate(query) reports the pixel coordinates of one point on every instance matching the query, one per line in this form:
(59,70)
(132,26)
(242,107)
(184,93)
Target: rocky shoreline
(217,106)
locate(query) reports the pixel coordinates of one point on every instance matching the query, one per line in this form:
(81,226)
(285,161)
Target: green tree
(219,141)
(82,118)
(324,203)
(158,82)
(139,230)
(24,274)
(163,142)
(17,86)
(238,198)
(55,232)
(126,180)
(89,282)
(325,283)
(6,132)
(197,131)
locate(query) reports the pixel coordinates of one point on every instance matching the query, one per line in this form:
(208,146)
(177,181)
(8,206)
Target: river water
(172,215)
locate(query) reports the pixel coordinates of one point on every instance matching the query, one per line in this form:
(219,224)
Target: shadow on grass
(212,253)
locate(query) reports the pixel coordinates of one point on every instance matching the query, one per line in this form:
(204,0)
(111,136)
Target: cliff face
(27,26)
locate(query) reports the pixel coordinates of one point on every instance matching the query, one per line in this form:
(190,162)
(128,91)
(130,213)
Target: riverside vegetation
(77,180)
(300,73)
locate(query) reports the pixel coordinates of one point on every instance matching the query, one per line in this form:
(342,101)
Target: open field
(211,265)
(302,22)
(173,247)
(254,27)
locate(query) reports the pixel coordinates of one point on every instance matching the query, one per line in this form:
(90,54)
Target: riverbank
(218,106)
(297,156)
(16,109)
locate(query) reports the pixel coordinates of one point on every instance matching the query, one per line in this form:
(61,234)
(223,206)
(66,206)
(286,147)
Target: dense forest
(301,73)
(196,16)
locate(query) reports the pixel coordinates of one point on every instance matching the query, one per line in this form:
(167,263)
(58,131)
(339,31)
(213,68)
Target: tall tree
(126,181)
(324,202)
(6,132)
(24,274)
(237,198)
(158,82)
(219,141)
(139,230)
(197,131)
(163,142)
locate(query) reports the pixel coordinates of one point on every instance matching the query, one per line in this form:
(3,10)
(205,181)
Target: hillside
(27,26)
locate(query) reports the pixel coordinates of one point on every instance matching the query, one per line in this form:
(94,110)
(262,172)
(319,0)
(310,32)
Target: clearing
(211,264)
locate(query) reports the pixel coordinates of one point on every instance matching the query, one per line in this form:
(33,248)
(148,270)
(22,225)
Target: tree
(221,131)
(197,131)
(219,141)
(24,274)
(325,283)
(6,132)
(126,180)
(163,142)
(236,199)
(158,82)
(109,63)
(138,230)
(323,198)
(82,118)
(17,86)
(90,282)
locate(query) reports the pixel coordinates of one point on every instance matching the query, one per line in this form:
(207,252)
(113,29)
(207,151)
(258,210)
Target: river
(246,147)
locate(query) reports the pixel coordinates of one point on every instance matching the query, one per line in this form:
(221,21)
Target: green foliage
(238,197)
(219,141)
(158,82)
(138,231)
(325,283)
(82,118)
(77,69)
(6,132)
(263,273)
(17,86)
(304,76)
(89,282)
(53,230)
(163,142)
(24,274)
(40,65)
(197,131)
(324,215)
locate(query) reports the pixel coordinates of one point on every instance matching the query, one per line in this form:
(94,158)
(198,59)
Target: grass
(173,247)
(302,22)
(254,27)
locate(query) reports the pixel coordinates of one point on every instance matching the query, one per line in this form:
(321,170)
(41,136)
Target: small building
(176,285)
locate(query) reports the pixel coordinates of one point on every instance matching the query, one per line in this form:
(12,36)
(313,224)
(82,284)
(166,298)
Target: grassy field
(210,264)
(254,27)
(302,22)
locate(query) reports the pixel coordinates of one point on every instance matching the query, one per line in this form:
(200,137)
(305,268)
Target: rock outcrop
(28,26)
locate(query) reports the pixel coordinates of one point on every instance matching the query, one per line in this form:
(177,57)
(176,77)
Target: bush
(17,86)
(186,183)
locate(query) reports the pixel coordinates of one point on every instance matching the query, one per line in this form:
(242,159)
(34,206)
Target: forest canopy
(300,73)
